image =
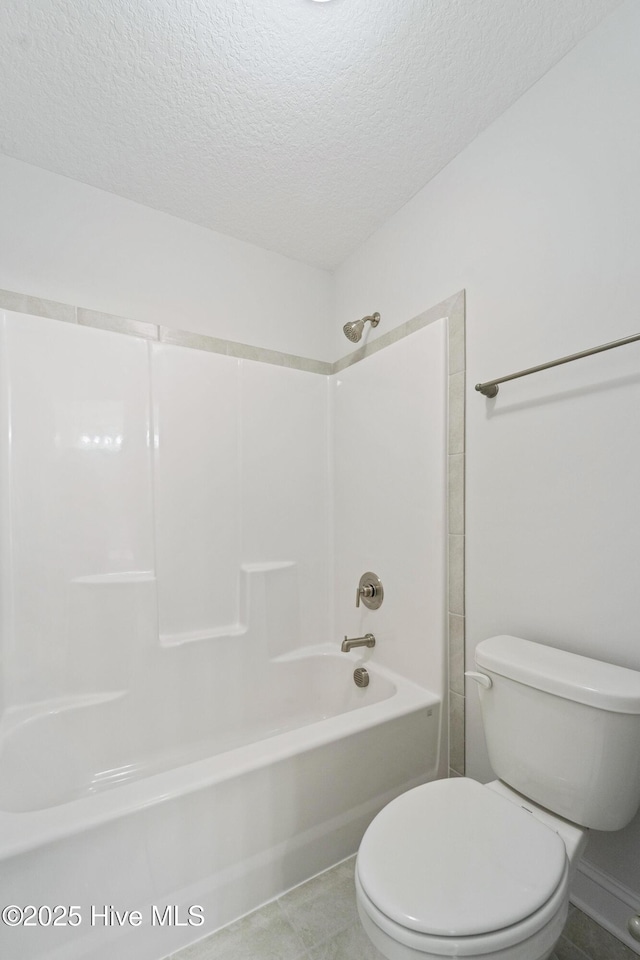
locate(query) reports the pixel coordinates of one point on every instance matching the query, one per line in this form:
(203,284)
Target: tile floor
(315,921)
(318,921)
(584,939)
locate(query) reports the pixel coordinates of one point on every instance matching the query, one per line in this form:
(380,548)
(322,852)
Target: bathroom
(535,216)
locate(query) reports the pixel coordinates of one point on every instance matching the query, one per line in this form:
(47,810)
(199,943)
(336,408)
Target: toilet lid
(452,858)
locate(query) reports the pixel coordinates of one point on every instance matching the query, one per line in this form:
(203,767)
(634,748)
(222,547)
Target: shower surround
(178,724)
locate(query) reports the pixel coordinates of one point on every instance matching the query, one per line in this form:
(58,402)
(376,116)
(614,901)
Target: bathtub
(136,844)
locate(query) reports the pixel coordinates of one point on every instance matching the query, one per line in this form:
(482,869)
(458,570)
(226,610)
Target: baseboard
(606,901)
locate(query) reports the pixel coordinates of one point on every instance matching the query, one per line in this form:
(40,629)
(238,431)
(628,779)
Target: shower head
(353,330)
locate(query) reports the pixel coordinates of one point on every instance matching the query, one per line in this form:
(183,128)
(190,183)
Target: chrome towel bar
(490,387)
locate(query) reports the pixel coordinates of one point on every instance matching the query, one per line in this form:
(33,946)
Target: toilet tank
(562,729)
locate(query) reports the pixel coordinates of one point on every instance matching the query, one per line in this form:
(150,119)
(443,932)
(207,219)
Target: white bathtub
(207,804)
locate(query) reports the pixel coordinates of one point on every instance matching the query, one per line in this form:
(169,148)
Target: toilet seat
(452,862)
(537,934)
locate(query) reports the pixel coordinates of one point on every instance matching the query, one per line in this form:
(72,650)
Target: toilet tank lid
(564,674)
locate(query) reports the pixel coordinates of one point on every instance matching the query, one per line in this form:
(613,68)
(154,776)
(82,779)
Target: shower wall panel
(286,498)
(241,497)
(165,518)
(197,492)
(390,500)
(76,507)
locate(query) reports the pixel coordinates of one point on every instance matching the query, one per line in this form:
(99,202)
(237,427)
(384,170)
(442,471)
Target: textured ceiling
(298,126)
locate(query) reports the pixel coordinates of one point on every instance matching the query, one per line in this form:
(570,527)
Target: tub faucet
(367,641)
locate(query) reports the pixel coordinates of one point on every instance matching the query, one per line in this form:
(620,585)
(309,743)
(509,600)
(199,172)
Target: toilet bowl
(457,869)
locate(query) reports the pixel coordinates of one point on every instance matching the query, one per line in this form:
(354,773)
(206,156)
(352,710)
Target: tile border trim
(52,310)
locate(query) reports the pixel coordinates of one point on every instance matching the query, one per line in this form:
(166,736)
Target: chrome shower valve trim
(370,591)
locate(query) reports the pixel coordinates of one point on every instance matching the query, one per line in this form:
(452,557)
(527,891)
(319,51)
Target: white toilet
(457,869)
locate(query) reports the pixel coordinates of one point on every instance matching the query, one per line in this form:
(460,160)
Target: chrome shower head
(353,330)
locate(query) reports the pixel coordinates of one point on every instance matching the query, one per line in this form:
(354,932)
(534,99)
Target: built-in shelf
(110,579)
(211,633)
(241,627)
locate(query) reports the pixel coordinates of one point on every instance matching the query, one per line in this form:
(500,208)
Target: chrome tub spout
(367,641)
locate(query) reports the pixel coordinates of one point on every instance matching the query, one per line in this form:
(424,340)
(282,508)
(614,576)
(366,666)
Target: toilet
(454,868)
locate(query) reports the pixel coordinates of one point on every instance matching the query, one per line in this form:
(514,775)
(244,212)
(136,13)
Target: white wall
(539,219)
(65,241)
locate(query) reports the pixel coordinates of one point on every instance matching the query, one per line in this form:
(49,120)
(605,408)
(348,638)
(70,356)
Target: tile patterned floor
(318,921)
(315,921)
(584,939)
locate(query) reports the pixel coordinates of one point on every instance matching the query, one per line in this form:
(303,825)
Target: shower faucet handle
(370,591)
(365,592)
